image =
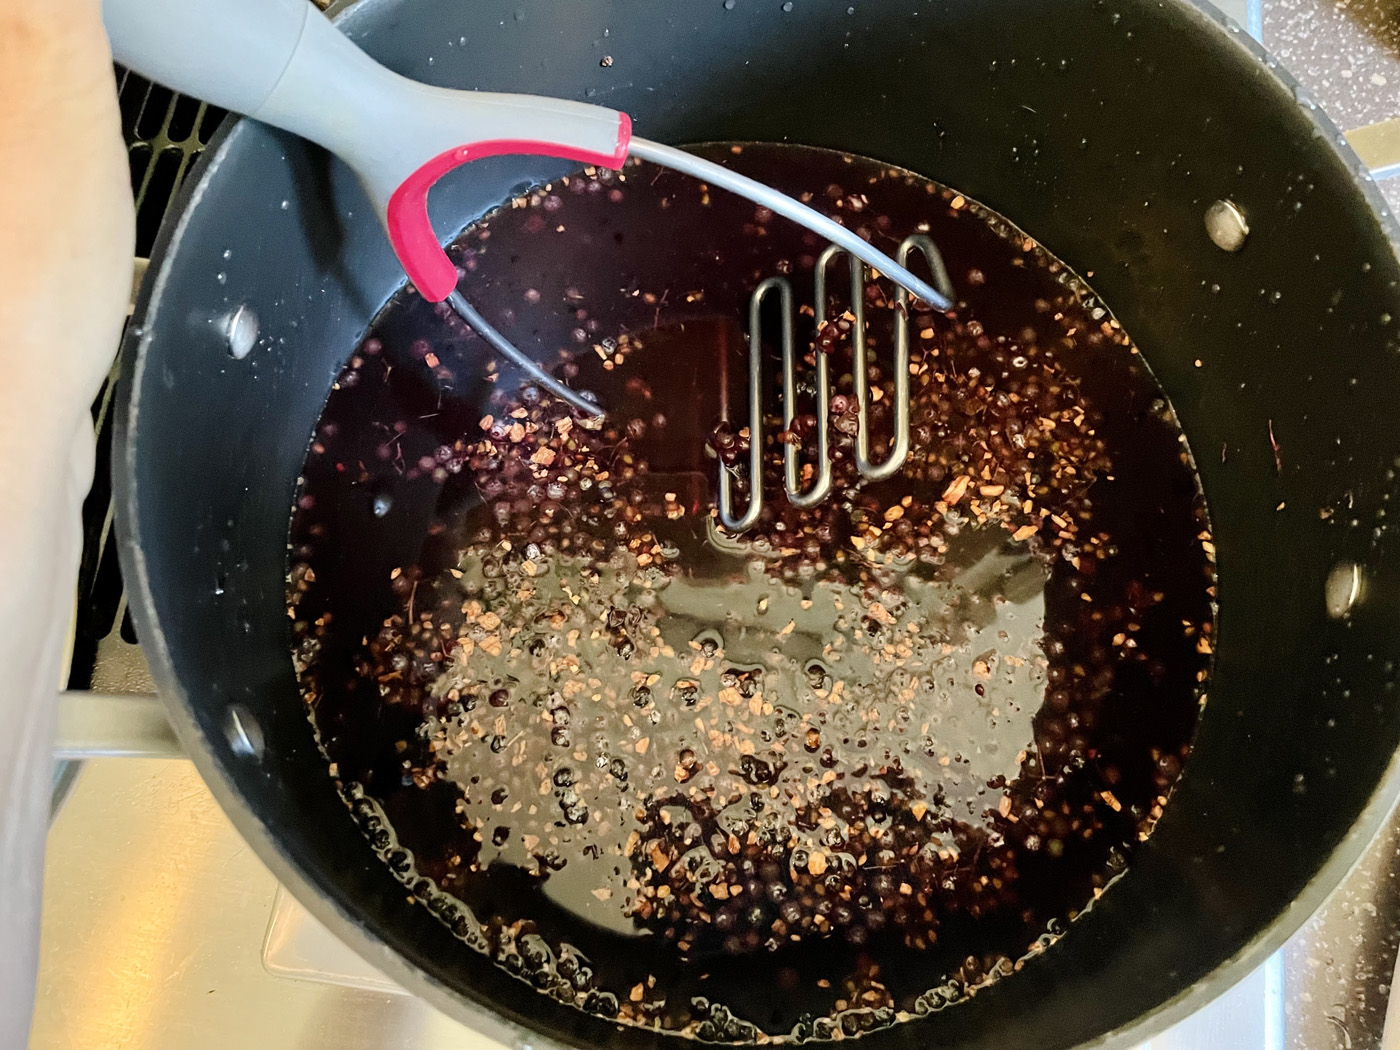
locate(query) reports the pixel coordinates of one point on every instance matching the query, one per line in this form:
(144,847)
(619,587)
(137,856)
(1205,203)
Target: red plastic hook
(410,232)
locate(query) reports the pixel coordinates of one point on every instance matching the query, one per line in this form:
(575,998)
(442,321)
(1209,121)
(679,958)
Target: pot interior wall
(1104,130)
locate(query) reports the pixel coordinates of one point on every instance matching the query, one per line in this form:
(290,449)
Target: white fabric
(66,243)
(33,640)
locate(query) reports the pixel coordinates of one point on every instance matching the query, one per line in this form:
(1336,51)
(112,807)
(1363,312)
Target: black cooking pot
(1106,130)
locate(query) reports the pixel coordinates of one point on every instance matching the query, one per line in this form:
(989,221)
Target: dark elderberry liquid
(825,775)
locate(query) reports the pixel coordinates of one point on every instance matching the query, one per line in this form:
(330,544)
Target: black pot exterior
(1105,130)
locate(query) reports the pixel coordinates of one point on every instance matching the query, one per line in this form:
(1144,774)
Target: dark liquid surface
(829,773)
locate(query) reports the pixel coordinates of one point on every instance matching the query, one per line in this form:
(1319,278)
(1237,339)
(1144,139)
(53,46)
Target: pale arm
(65,271)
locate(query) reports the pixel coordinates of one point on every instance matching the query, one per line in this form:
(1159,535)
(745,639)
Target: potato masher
(284,63)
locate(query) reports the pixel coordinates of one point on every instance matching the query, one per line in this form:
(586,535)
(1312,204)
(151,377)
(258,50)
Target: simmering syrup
(832,773)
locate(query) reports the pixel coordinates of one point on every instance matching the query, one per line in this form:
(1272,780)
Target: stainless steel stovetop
(163,931)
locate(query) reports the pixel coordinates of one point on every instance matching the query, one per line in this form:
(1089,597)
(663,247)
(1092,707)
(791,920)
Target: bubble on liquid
(708,642)
(818,674)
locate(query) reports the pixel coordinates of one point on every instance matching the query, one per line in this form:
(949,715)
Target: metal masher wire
(467,312)
(726,494)
(792,468)
(936,295)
